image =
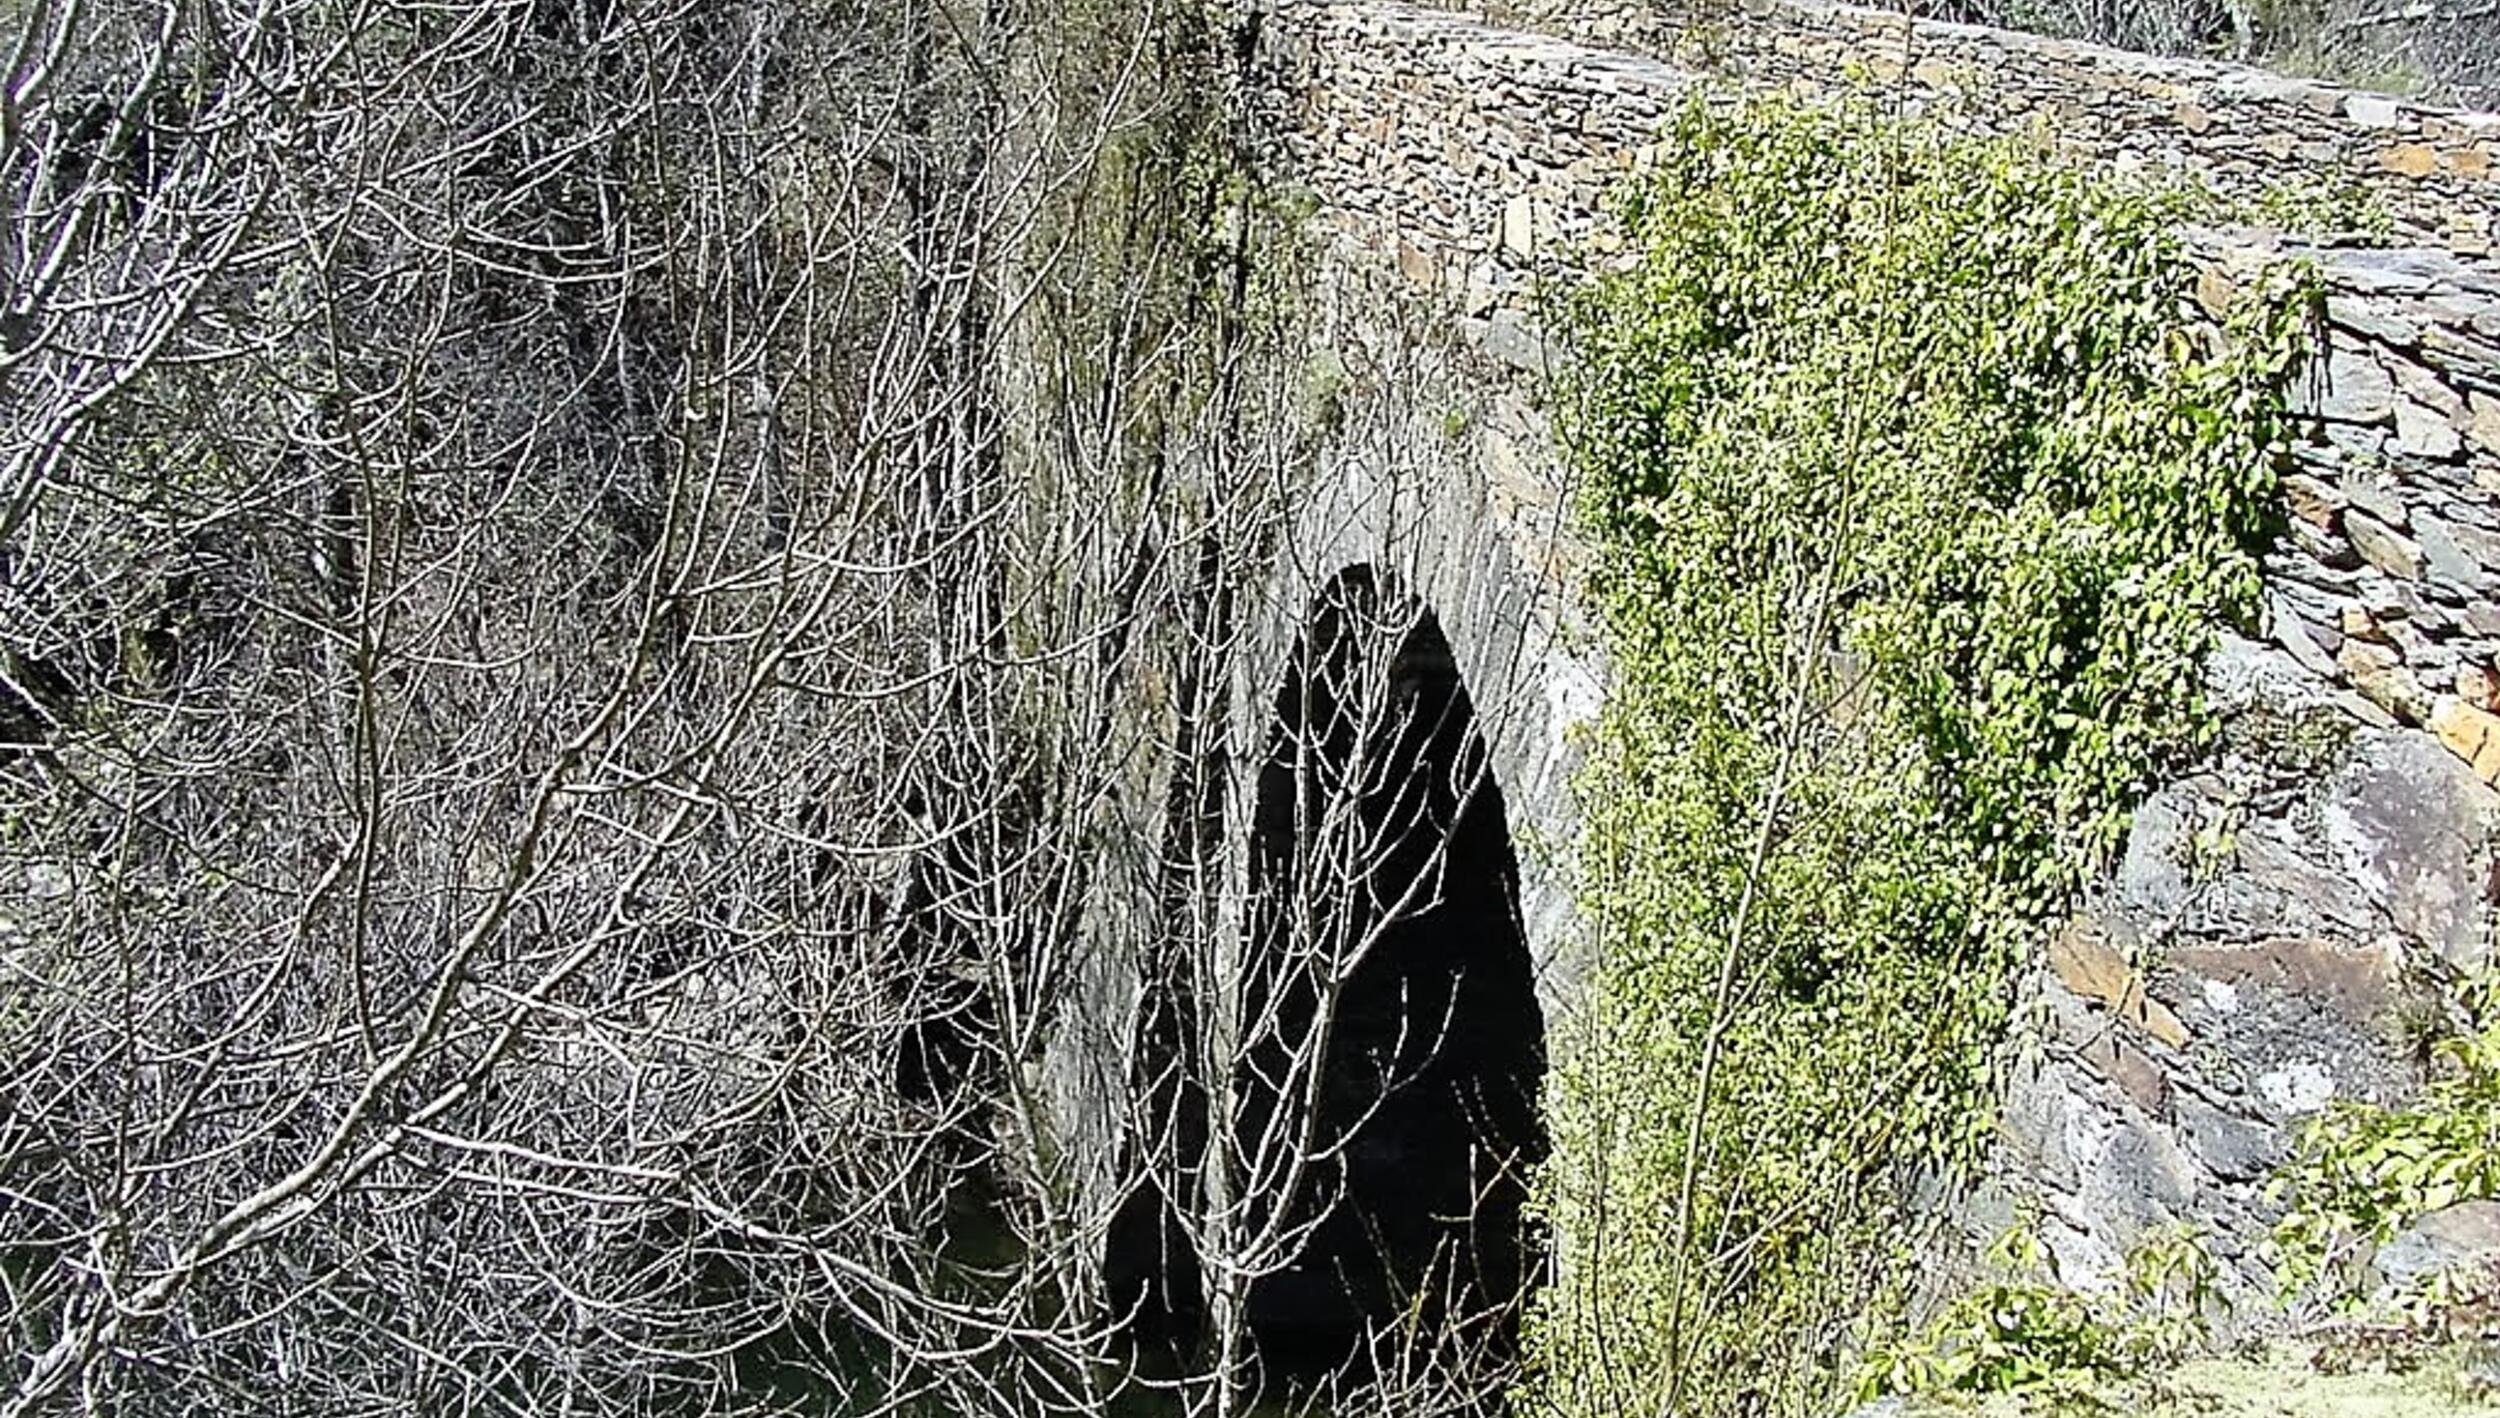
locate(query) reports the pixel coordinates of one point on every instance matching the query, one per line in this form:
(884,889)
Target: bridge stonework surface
(2196,1010)
(2241,130)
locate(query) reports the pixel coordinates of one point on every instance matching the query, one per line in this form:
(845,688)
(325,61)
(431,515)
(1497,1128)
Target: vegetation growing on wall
(2363,1171)
(1921,485)
(2022,1332)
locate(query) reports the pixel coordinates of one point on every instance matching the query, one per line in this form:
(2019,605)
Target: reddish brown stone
(2380,674)
(2410,159)
(2093,969)
(2136,1076)
(2356,984)
(2356,623)
(2312,501)
(2470,730)
(2478,686)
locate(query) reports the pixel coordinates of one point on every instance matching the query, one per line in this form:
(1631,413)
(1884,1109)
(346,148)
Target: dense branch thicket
(462,460)
(590,592)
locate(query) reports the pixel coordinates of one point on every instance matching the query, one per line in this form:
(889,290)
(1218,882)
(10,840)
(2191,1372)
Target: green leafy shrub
(1920,487)
(2361,1172)
(2326,208)
(2023,1333)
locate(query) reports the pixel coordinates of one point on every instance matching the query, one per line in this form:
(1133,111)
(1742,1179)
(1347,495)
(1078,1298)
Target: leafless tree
(590,591)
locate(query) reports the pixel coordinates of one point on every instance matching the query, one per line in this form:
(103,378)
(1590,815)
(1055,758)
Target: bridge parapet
(1459,153)
(2240,129)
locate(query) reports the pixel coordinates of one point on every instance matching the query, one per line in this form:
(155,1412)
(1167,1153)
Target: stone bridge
(2187,1019)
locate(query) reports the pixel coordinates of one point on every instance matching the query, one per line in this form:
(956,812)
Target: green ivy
(1920,486)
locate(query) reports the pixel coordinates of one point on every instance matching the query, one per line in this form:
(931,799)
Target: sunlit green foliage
(2023,1333)
(1921,486)
(2363,1171)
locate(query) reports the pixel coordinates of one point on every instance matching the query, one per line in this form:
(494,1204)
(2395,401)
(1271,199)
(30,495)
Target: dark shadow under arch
(1392,1037)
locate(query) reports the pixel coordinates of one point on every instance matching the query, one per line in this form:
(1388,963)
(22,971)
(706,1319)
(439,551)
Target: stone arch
(1384,1102)
(1399,516)
(1500,580)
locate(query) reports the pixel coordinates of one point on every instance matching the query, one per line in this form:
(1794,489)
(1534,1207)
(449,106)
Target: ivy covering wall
(1922,484)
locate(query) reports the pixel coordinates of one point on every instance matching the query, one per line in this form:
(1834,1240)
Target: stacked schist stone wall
(1469,157)
(2284,923)
(2387,579)
(2245,131)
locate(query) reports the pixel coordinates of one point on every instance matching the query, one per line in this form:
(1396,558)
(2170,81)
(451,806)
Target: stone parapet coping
(2245,130)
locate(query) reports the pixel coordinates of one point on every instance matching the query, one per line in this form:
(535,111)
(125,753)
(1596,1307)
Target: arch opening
(1390,1046)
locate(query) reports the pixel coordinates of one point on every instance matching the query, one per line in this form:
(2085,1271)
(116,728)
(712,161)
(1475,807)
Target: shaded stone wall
(2280,930)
